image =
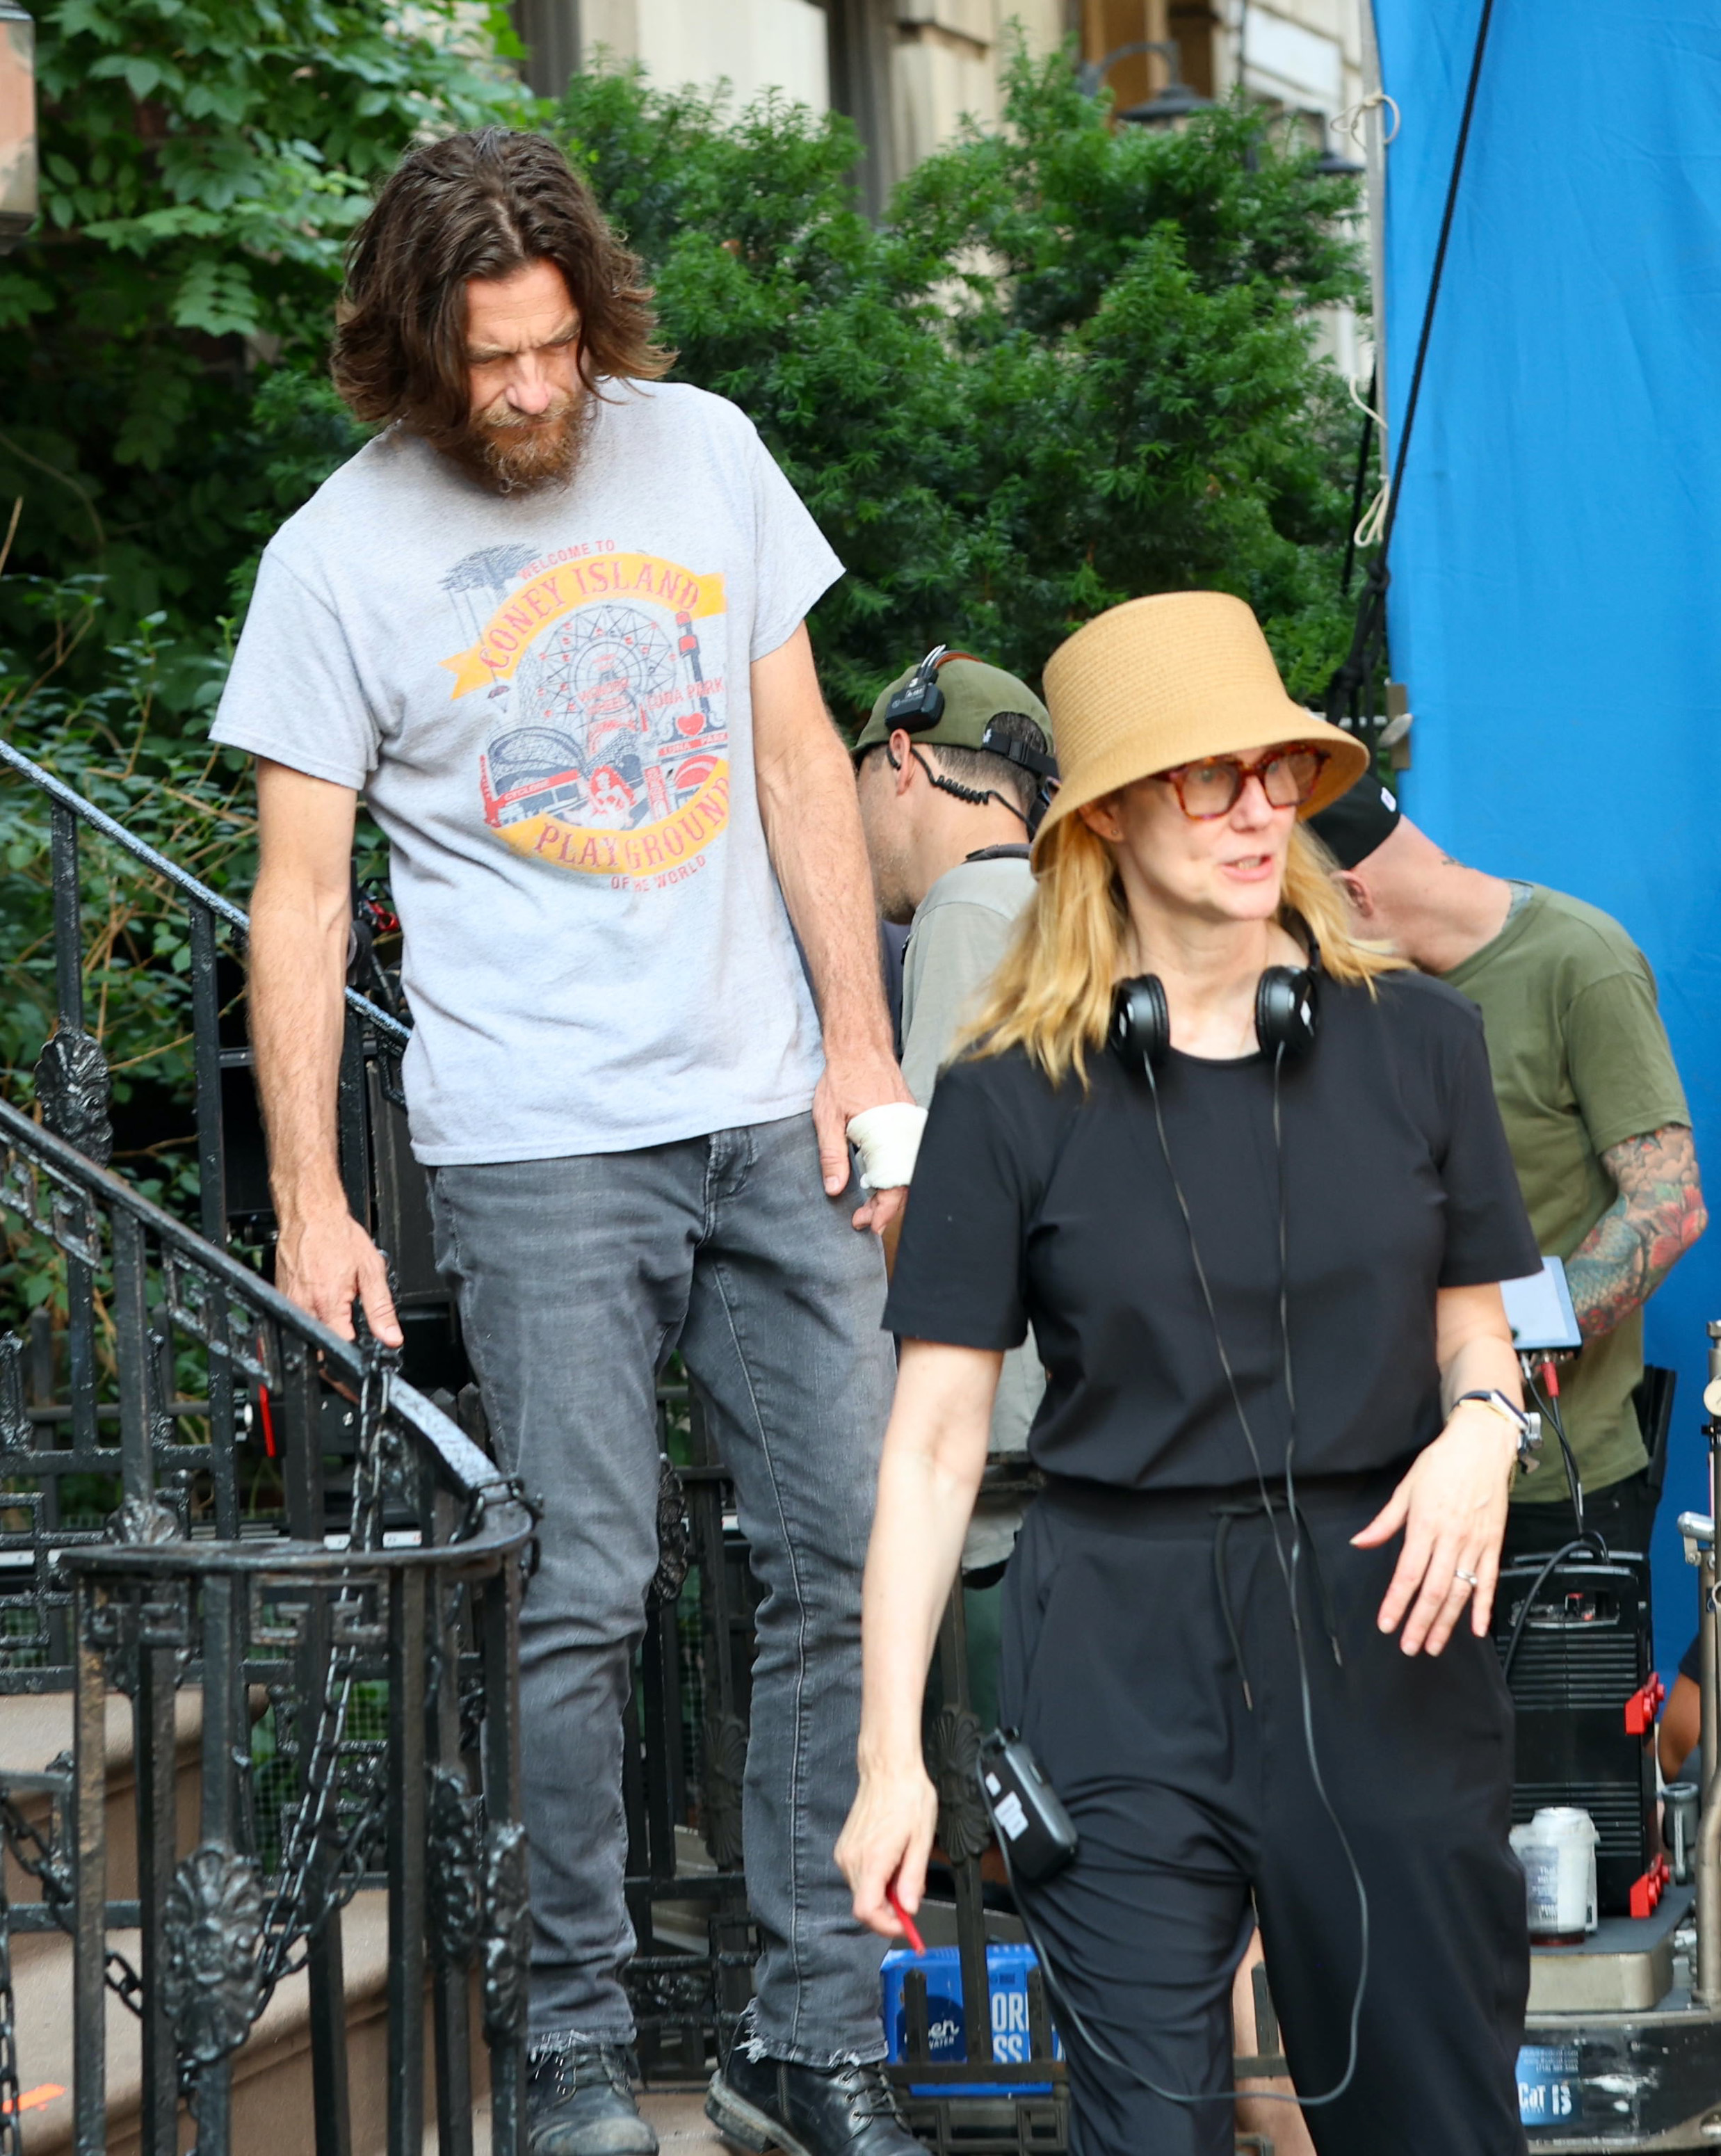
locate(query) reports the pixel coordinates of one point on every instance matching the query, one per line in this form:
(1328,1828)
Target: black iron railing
(418,1598)
(202,1488)
(74,1076)
(684,1762)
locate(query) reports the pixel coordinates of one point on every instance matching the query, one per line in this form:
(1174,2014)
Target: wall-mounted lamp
(1333,164)
(18,199)
(1176,100)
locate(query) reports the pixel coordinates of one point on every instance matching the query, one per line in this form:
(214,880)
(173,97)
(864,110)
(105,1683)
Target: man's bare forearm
(813,830)
(297,977)
(301,913)
(819,853)
(1657,1216)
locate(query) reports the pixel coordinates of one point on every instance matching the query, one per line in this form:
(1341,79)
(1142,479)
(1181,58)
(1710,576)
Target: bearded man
(549,623)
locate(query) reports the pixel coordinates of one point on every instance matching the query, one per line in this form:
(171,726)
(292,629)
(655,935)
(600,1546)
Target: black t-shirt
(1051,1205)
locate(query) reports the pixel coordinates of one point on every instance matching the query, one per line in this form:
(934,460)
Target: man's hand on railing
(325,1263)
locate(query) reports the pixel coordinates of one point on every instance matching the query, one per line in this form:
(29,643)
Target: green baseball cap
(973,693)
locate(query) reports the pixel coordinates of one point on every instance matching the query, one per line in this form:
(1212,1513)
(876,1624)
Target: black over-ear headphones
(1284,1013)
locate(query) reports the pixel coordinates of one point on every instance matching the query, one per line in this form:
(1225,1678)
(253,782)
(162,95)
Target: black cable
(1586,1545)
(1327,1804)
(1369,635)
(976,796)
(1548,1402)
(1588,1541)
(1435,275)
(1071,2015)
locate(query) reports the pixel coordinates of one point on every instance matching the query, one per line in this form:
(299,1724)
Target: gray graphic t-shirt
(545,702)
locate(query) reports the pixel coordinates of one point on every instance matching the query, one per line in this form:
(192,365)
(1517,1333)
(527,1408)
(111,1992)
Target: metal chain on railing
(376,1449)
(52,1875)
(288,1921)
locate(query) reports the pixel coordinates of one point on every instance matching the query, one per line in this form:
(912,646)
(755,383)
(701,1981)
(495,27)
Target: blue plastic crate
(1007,1968)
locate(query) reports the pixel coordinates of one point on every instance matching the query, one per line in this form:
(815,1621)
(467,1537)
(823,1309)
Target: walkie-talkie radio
(1027,1811)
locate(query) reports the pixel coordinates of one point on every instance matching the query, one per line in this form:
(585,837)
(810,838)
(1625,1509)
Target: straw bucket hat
(1160,681)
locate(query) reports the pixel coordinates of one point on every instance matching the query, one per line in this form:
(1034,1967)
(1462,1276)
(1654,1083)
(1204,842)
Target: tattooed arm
(1657,1216)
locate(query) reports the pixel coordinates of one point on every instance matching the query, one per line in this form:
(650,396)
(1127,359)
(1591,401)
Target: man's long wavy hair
(477,205)
(1051,993)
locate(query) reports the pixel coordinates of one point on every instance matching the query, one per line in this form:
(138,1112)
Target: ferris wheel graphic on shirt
(607,753)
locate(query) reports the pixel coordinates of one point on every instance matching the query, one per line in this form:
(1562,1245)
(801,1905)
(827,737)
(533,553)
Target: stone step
(35,1730)
(272,2112)
(272,2075)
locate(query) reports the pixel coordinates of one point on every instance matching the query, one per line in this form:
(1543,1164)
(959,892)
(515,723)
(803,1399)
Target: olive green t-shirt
(1580,1061)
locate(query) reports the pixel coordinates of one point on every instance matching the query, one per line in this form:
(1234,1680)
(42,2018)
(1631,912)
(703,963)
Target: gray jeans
(576,1278)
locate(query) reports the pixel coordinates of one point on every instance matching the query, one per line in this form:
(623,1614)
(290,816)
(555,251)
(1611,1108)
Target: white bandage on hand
(888,1140)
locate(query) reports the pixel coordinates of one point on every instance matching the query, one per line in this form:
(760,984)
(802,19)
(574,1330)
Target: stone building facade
(907,71)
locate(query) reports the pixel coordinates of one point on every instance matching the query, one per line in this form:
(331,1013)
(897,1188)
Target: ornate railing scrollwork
(76,1094)
(213,1978)
(456,1868)
(418,1598)
(953,1761)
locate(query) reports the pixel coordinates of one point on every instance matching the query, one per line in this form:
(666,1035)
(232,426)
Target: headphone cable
(1288,1572)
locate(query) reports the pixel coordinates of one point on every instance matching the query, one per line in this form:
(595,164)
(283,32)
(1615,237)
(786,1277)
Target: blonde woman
(1260,1254)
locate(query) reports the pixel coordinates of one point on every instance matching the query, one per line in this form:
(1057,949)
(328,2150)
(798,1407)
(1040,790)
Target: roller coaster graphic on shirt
(608,755)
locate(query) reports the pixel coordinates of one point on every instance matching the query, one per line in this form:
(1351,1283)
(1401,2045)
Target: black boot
(580,2102)
(762,2104)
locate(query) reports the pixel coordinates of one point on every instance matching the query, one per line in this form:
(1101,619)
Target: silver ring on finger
(1469,1578)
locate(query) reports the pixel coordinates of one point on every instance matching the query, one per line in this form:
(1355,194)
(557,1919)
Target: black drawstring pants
(1126,1651)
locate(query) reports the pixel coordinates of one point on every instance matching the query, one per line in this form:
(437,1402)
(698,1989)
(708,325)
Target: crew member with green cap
(954,769)
(952,766)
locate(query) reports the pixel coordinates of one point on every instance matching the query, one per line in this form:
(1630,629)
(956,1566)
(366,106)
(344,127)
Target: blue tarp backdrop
(1556,605)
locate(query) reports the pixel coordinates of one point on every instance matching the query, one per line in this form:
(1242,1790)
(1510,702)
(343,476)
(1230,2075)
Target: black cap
(1358,822)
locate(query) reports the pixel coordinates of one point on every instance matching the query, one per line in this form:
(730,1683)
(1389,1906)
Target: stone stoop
(272,2113)
(35,1730)
(272,2110)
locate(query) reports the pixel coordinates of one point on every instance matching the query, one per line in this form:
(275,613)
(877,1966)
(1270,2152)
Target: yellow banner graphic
(594,580)
(661,852)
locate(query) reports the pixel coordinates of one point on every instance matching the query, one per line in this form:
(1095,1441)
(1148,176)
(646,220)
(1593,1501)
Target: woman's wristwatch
(1526,1424)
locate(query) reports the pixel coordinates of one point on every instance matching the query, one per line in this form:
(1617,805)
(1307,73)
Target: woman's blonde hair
(1051,993)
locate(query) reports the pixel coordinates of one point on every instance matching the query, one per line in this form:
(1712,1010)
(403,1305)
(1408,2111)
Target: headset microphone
(1043,767)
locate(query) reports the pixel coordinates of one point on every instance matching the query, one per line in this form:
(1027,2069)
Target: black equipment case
(1584,1684)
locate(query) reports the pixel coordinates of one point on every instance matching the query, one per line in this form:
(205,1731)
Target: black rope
(1368,640)
(1445,233)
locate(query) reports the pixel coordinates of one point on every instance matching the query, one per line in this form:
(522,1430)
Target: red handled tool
(906,1921)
